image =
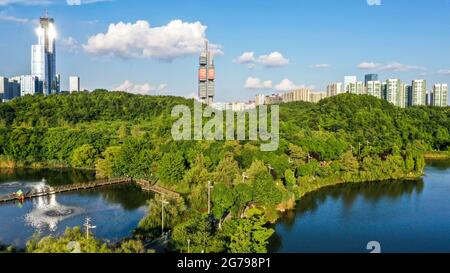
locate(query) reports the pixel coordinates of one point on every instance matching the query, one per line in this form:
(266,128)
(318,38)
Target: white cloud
(374,2)
(6,17)
(445,72)
(288,85)
(24,2)
(368,65)
(141,89)
(70,44)
(84,2)
(246,58)
(321,66)
(140,40)
(394,66)
(256,83)
(274,59)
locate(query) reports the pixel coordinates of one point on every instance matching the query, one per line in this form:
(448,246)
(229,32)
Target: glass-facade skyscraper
(43,56)
(370,78)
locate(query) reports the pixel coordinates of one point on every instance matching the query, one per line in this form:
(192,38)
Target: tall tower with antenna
(43,55)
(206,77)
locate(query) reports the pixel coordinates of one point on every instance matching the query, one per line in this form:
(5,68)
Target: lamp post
(88,226)
(189,245)
(209,196)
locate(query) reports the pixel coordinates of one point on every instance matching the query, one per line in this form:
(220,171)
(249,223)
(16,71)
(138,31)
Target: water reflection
(115,210)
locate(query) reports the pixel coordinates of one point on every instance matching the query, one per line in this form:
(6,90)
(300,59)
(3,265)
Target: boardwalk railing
(67,188)
(145,185)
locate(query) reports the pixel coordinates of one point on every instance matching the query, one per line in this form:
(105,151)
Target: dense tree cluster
(346,138)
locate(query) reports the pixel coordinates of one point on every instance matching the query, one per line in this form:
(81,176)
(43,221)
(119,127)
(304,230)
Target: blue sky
(288,43)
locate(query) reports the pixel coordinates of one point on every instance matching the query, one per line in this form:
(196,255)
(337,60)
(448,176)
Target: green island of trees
(343,139)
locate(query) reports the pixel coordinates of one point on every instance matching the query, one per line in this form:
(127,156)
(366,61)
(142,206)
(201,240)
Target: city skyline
(284,52)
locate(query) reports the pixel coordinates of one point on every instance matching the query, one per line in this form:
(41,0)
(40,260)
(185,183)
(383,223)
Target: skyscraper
(370,77)
(419,92)
(206,77)
(43,56)
(74,84)
(440,95)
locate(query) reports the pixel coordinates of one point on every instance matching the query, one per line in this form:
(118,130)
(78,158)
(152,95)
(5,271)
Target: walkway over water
(145,185)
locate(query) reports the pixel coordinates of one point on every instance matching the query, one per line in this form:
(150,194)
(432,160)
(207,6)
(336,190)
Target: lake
(115,210)
(402,216)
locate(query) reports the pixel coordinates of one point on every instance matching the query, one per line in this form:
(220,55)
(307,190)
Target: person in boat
(20,196)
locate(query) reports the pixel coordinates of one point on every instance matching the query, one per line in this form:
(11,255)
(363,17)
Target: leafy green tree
(222,199)
(107,165)
(84,156)
(196,235)
(247,235)
(172,167)
(289,177)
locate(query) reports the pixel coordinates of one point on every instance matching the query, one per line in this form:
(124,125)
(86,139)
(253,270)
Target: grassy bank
(437,155)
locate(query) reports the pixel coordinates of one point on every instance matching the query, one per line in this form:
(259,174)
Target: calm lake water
(403,216)
(115,211)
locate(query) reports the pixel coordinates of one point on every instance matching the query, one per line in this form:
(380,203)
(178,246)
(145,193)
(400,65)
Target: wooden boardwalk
(67,188)
(143,184)
(148,186)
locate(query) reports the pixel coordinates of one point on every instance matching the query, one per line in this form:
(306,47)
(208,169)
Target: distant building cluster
(302,94)
(393,90)
(44,78)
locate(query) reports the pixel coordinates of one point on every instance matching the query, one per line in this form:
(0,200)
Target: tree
(289,177)
(349,163)
(227,171)
(172,167)
(196,235)
(247,235)
(84,156)
(222,199)
(107,165)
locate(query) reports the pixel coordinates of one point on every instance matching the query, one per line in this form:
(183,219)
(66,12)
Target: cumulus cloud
(140,40)
(141,89)
(374,2)
(84,2)
(70,44)
(6,17)
(257,83)
(24,2)
(288,85)
(445,72)
(394,66)
(274,59)
(321,66)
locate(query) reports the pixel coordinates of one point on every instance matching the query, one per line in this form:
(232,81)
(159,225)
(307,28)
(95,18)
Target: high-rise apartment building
(370,78)
(4,88)
(348,80)
(74,84)
(315,97)
(334,89)
(29,85)
(260,100)
(393,91)
(375,88)
(206,77)
(439,96)
(419,92)
(43,56)
(407,89)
